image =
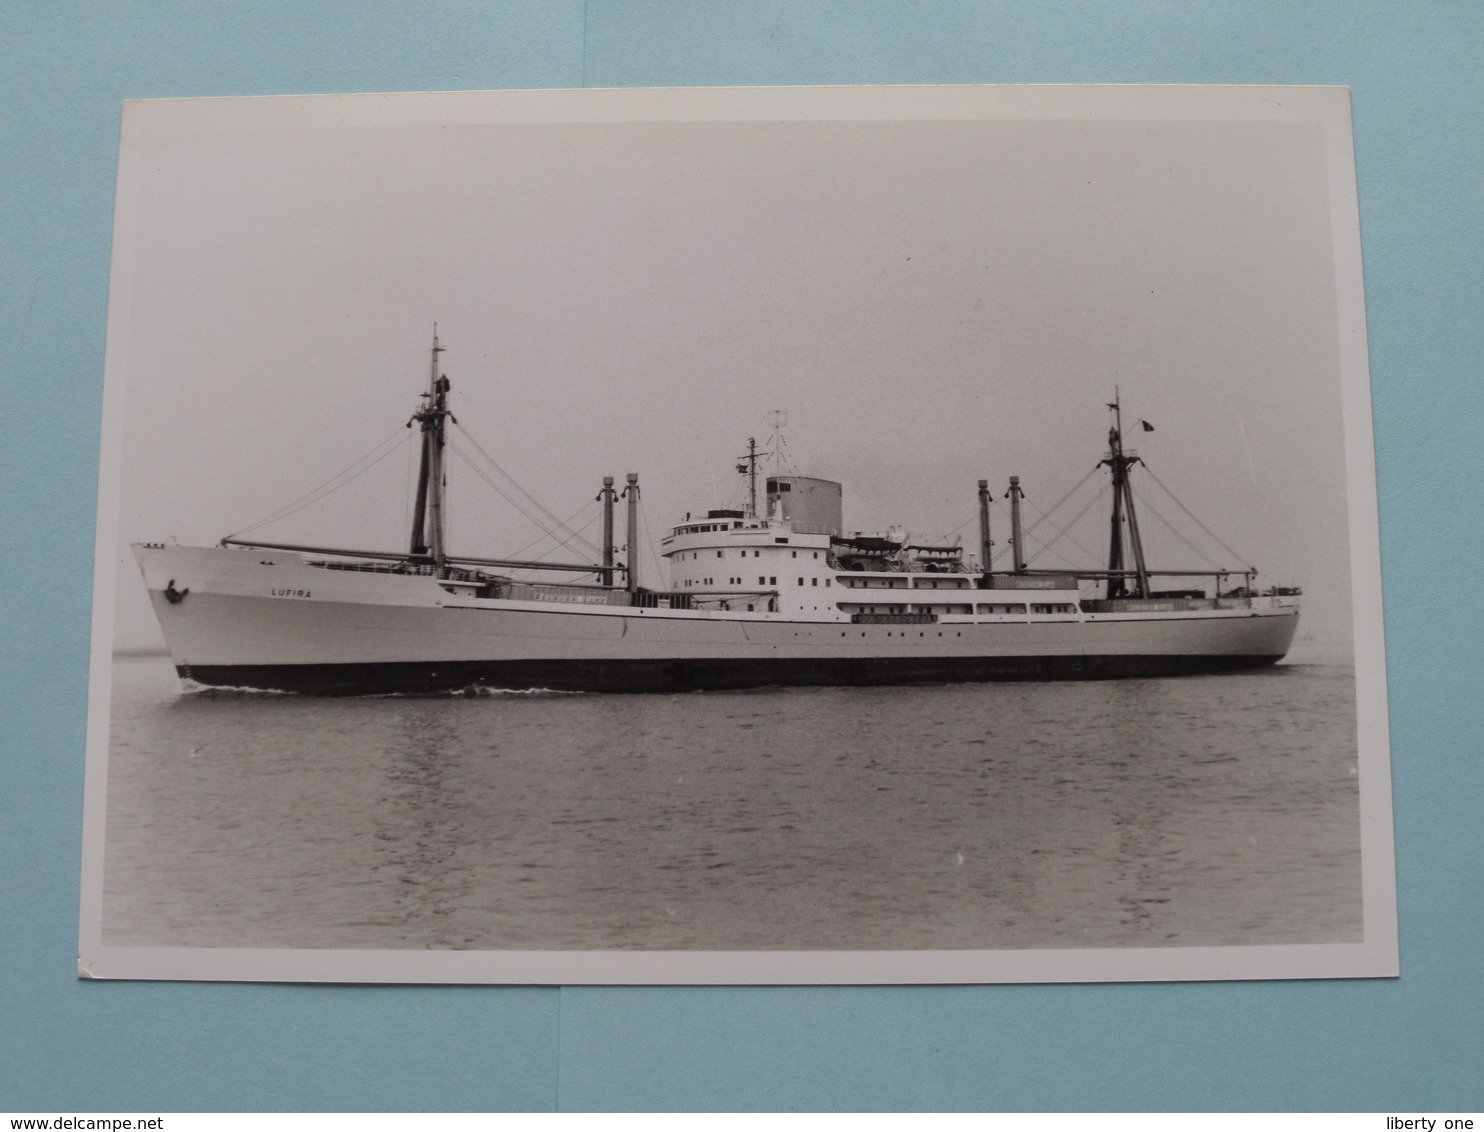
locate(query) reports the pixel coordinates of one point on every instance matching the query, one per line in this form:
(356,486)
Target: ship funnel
(812,505)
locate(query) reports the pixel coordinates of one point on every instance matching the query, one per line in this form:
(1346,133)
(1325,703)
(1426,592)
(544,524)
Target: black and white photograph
(833,535)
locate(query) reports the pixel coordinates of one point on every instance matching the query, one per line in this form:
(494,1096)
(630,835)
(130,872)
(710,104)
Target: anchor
(173,595)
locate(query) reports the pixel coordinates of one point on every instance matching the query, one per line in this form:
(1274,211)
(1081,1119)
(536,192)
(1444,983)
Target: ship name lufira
(290,593)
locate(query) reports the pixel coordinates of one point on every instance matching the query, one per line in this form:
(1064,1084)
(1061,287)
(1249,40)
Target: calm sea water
(1192,811)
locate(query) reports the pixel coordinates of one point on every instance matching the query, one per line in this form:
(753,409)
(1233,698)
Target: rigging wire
(501,492)
(1193,519)
(1064,532)
(549,534)
(1045,515)
(1048,549)
(1188,544)
(478,471)
(335,482)
(536,503)
(973,514)
(538,521)
(654,556)
(995,506)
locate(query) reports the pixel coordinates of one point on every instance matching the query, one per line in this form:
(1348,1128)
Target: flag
(1147,426)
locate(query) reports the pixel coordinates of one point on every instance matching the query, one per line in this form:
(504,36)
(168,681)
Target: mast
(437,482)
(749,469)
(1123,504)
(606,497)
(1016,535)
(632,570)
(427,513)
(752,477)
(985,545)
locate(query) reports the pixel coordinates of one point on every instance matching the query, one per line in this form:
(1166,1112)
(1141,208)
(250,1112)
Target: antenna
(777,419)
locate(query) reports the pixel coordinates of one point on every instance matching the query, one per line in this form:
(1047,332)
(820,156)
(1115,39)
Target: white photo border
(1376,956)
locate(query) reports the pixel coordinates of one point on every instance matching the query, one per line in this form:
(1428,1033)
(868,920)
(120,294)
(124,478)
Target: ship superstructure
(776,592)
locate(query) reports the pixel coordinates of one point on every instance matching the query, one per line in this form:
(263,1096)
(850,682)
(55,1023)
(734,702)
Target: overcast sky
(932,301)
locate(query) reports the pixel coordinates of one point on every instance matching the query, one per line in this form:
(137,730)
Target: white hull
(270,619)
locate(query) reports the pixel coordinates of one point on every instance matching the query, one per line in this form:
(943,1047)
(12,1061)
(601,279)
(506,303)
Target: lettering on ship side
(290,593)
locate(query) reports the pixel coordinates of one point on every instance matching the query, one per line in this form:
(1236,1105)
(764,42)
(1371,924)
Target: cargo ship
(773,592)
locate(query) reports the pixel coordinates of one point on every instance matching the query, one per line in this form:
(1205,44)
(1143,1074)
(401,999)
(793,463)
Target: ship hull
(272,621)
(717,674)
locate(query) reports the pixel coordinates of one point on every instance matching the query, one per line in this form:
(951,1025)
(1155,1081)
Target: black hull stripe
(693,675)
